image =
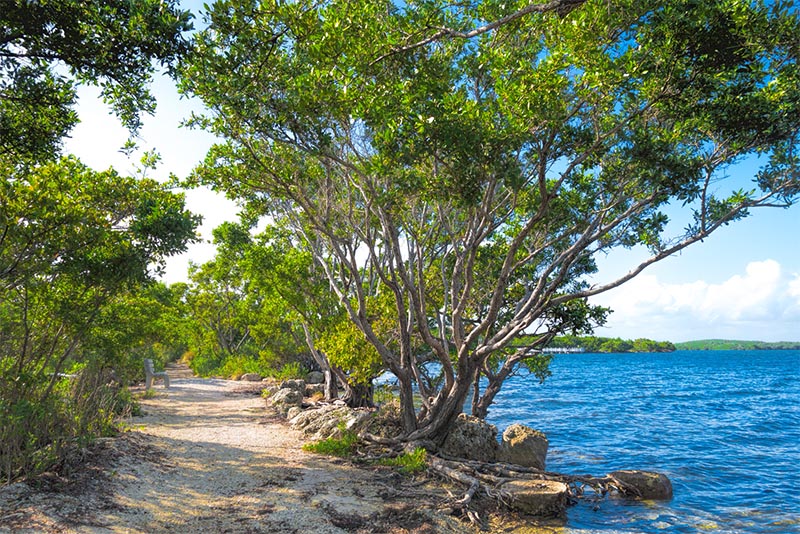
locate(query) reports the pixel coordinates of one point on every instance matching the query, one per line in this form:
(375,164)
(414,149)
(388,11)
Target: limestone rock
(296,384)
(471,438)
(523,446)
(327,421)
(251,377)
(270,390)
(542,498)
(284,399)
(312,389)
(649,485)
(293,412)
(315,377)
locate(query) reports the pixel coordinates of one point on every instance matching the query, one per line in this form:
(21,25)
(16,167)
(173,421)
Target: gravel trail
(208,457)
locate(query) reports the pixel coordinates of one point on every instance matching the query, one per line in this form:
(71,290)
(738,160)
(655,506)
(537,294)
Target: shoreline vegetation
(729,344)
(643,345)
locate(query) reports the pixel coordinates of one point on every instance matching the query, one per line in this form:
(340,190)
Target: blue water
(724,426)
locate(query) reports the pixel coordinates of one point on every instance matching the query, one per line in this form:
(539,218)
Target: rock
(315,377)
(293,412)
(296,384)
(251,377)
(284,399)
(327,421)
(649,485)
(268,391)
(471,438)
(543,498)
(523,446)
(311,421)
(312,389)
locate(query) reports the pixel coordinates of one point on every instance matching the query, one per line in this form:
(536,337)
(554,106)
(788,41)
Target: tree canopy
(78,247)
(46,47)
(468,161)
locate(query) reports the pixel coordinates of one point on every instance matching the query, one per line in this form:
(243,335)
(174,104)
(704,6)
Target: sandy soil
(208,457)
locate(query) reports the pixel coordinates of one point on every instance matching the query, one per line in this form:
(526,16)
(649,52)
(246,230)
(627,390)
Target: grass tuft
(409,463)
(343,446)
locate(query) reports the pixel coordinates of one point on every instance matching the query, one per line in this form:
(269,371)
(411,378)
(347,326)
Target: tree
(289,274)
(470,160)
(46,47)
(74,243)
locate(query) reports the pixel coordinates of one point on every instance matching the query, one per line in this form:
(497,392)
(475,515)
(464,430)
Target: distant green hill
(730,344)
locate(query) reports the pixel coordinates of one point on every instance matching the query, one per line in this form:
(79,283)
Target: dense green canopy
(470,159)
(78,247)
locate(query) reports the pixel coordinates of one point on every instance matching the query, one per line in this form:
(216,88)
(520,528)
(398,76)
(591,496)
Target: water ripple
(724,426)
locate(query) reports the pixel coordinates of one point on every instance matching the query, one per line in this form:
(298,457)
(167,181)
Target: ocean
(724,426)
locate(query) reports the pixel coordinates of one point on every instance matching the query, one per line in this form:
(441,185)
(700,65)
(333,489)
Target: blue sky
(741,283)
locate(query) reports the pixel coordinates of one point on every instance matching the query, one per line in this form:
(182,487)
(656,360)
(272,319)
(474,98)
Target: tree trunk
(331,387)
(359,395)
(408,414)
(481,408)
(444,412)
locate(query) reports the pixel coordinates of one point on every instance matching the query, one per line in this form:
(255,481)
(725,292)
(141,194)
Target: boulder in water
(542,498)
(523,446)
(646,484)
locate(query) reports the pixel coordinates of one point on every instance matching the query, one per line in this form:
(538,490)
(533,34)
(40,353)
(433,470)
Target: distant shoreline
(727,344)
(567,344)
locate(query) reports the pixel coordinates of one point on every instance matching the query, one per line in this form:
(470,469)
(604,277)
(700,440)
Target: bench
(150,374)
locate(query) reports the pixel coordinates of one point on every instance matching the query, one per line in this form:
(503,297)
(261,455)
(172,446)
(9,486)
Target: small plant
(343,446)
(289,371)
(148,394)
(384,394)
(409,463)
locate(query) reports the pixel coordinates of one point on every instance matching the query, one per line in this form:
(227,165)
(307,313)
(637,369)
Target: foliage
(347,348)
(46,48)
(467,161)
(76,252)
(239,324)
(728,344)
(409,463)
(77,247)
(342,446)
(604,344)
(289,371)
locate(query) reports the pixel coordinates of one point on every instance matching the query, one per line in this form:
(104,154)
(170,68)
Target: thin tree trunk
(360,396)
(331,387)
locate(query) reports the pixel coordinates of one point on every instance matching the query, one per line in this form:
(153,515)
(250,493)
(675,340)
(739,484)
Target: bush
(41,419)
(409,463)
(289,371)
(343,446)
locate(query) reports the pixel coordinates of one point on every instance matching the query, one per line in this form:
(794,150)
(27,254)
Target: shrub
(42,417)
(289,371)
(409,463)
(343,446)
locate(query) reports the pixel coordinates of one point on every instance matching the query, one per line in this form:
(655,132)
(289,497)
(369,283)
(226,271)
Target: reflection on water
(724,426)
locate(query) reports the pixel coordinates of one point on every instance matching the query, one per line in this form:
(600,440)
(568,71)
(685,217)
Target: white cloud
(762,303)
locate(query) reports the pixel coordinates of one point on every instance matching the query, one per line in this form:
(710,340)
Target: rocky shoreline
(521,454)
(208,456)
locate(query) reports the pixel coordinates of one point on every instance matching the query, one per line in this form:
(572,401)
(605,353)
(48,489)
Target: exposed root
(490,477)
(441,467)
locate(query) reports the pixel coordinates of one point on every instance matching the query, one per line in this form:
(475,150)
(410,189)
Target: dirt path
(207,457)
